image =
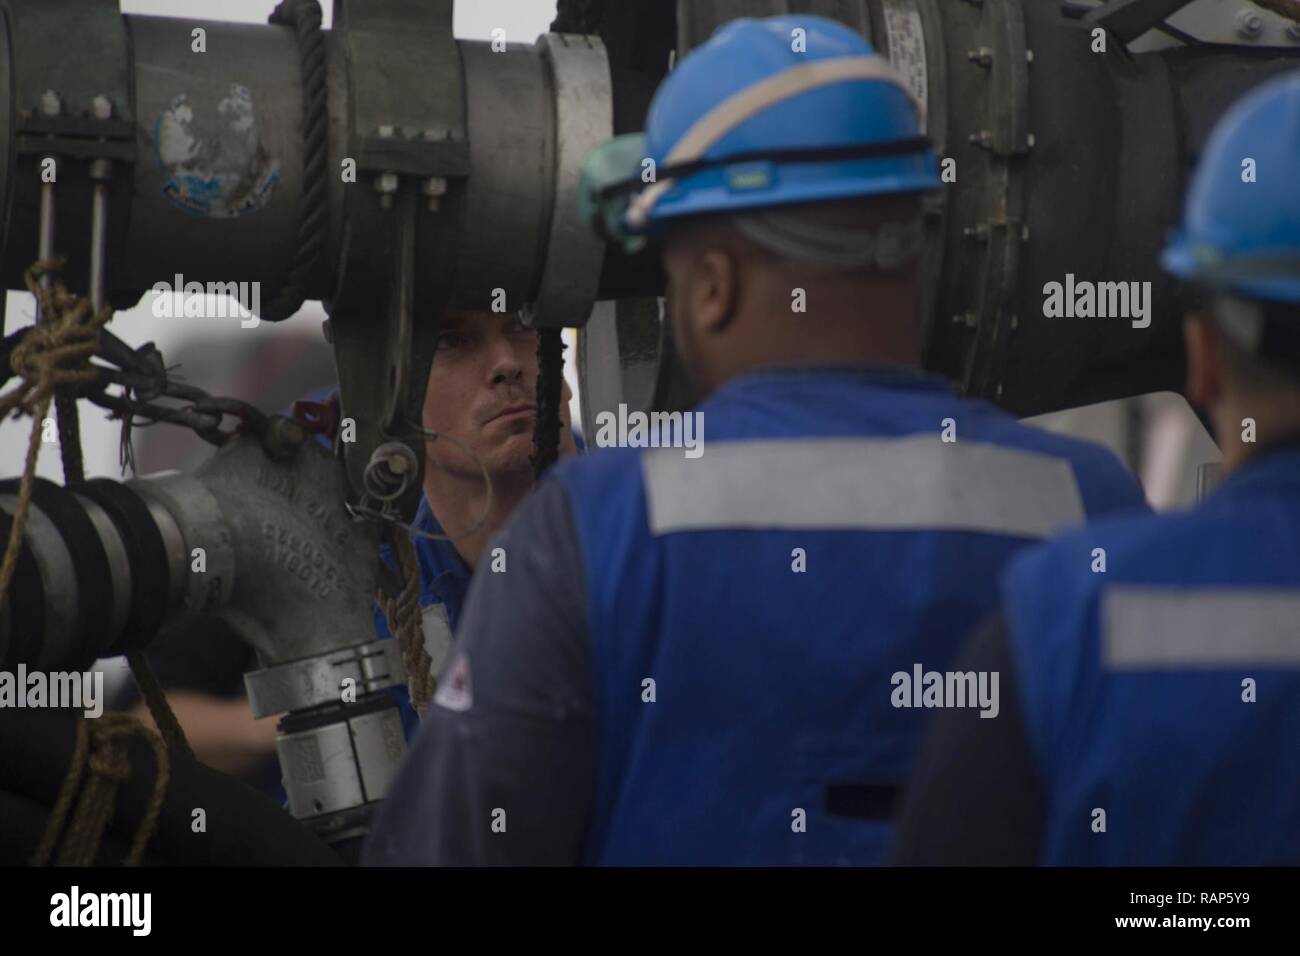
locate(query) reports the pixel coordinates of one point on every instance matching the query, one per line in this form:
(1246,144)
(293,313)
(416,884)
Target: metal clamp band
(315,681)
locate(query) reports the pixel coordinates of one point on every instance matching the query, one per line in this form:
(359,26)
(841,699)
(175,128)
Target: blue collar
(1273,470)
(444,575)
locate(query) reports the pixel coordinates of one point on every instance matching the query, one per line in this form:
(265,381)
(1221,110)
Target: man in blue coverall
(694,656)
(482,391)
(1151,666)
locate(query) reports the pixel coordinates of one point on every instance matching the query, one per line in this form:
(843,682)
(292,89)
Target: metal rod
(45,236)
(100,171)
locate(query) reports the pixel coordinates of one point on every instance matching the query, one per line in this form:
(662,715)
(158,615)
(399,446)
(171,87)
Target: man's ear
(713,290)
(1205,360)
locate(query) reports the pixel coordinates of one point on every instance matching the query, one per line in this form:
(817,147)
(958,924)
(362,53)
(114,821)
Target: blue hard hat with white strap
(1241,224)
(767,113)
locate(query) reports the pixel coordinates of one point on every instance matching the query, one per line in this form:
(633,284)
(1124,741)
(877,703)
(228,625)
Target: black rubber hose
(89,561)
(146,555)
(242,827)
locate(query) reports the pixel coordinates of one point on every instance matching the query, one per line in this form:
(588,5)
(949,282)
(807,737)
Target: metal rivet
(1249,23)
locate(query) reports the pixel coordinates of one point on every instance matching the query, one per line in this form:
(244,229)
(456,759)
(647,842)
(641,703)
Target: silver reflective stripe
(1156,628)
(918,482)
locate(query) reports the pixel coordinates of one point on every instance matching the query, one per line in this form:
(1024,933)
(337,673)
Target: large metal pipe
(1071,162)
(214,114)
(1068,160)
(259,541)
(205,125)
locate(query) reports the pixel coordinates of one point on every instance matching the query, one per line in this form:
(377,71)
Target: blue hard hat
(791,109)
(1241,223)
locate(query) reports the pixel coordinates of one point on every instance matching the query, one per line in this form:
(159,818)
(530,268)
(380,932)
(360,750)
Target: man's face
(483,392)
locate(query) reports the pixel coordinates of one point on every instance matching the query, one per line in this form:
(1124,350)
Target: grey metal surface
(208,164)
(219,153)
(315,681)
(918,52)
(618,355)
(77,50)
(45,231)
(100,173)
(306,571)
(174,547)
(474,154)
(320,771)
(1066,161)
(1238,22)
(600,386)
(513,154)
(118,564)
(584,119)
(203,523)
(59,582)
(379,744)
(341,765)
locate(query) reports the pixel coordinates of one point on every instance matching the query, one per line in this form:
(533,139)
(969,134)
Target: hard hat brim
(1181,259)
(711,192)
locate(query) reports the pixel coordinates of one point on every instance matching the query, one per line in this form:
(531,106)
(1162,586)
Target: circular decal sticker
(213,160)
